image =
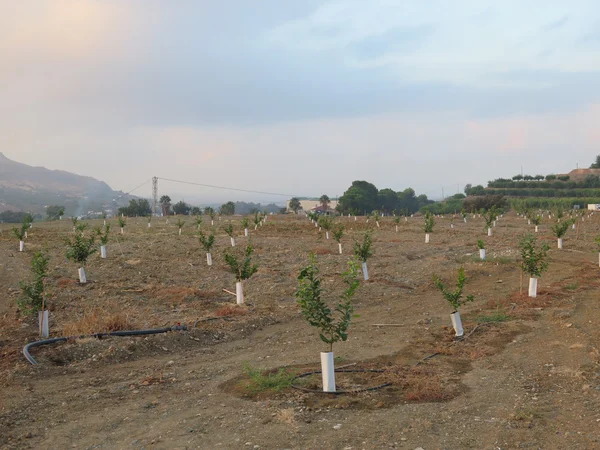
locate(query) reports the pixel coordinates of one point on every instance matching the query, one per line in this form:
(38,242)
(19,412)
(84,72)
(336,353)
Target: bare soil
(526,374)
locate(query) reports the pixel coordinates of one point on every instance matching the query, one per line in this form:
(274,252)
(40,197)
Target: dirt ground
(525,376)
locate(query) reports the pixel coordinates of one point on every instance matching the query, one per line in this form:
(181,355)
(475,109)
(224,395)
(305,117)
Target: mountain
(27,188)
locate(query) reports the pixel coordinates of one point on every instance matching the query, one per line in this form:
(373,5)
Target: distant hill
(27,188)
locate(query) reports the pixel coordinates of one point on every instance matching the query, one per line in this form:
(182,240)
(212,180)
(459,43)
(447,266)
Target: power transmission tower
(155,193)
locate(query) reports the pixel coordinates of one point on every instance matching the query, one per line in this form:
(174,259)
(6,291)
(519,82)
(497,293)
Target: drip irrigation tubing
(29,346)
(352,391)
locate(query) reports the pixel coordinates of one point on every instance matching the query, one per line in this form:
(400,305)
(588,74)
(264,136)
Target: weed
(495,317)
(261,380)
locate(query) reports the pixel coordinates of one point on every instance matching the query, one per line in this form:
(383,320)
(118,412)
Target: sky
(300,97)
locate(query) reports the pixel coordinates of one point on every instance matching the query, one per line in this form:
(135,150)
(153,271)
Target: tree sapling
(242,268)
(428,226)
(103,236)
(481,247)
(338,232)
(180,224)
(207,243)
(20,234)
(229,230)
(34,292)
(559,229)
(455,298)
(318,314)
(122,223)
(533,260)
(79,249)
(363,252)
(245,223)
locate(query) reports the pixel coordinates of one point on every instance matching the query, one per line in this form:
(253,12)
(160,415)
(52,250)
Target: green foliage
(262,380)
(429,222)
(79,248)
(559,229)
(325,222)
(180,223)
(54,212)
(241,267)
(490,216)
(597,241)
(533,259)
(181,208)
(257,219)
(74,220)
(315,309)
(245,222)
(198,221)
(363,197)
(103,235)
(20,232)
(338,232)
(455,297)
(536,220)
(137,208)
(207,242)
(211,212)
(480,244)
(165,204)
(81,227)
(32,298)
(495,317)
(559,213)
(122,222)
(363,251)
(397,219)
(295,205)
(227,209)
(228,229)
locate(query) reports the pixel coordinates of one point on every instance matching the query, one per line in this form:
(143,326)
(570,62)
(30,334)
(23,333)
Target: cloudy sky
(300,97)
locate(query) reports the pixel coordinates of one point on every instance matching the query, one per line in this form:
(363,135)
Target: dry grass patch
(230,310)
(97,320)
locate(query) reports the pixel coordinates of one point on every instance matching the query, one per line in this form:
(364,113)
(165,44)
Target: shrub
(338,233)
(20,232)
(363,251)
(122,222)
(315,309)
(103,236)
(33,292)
(245,222)
(228,229)
(241,268)
(480,244)
(455,297)
(325,222)
(533,259)
(207,242)
(79,248)
(180,223)
(429,222)
(559,229)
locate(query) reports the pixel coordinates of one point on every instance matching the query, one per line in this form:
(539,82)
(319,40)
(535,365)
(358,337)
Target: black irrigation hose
(353,391)
(29,346)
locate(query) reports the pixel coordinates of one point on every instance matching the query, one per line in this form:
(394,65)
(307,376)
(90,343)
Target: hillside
(27,188)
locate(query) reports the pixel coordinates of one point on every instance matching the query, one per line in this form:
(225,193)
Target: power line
(226,188)
(134,189)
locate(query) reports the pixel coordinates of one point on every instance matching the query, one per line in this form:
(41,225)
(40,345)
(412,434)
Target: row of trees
(591,181)
(363,198)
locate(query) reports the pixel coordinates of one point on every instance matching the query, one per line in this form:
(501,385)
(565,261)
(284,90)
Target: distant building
(594,206)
